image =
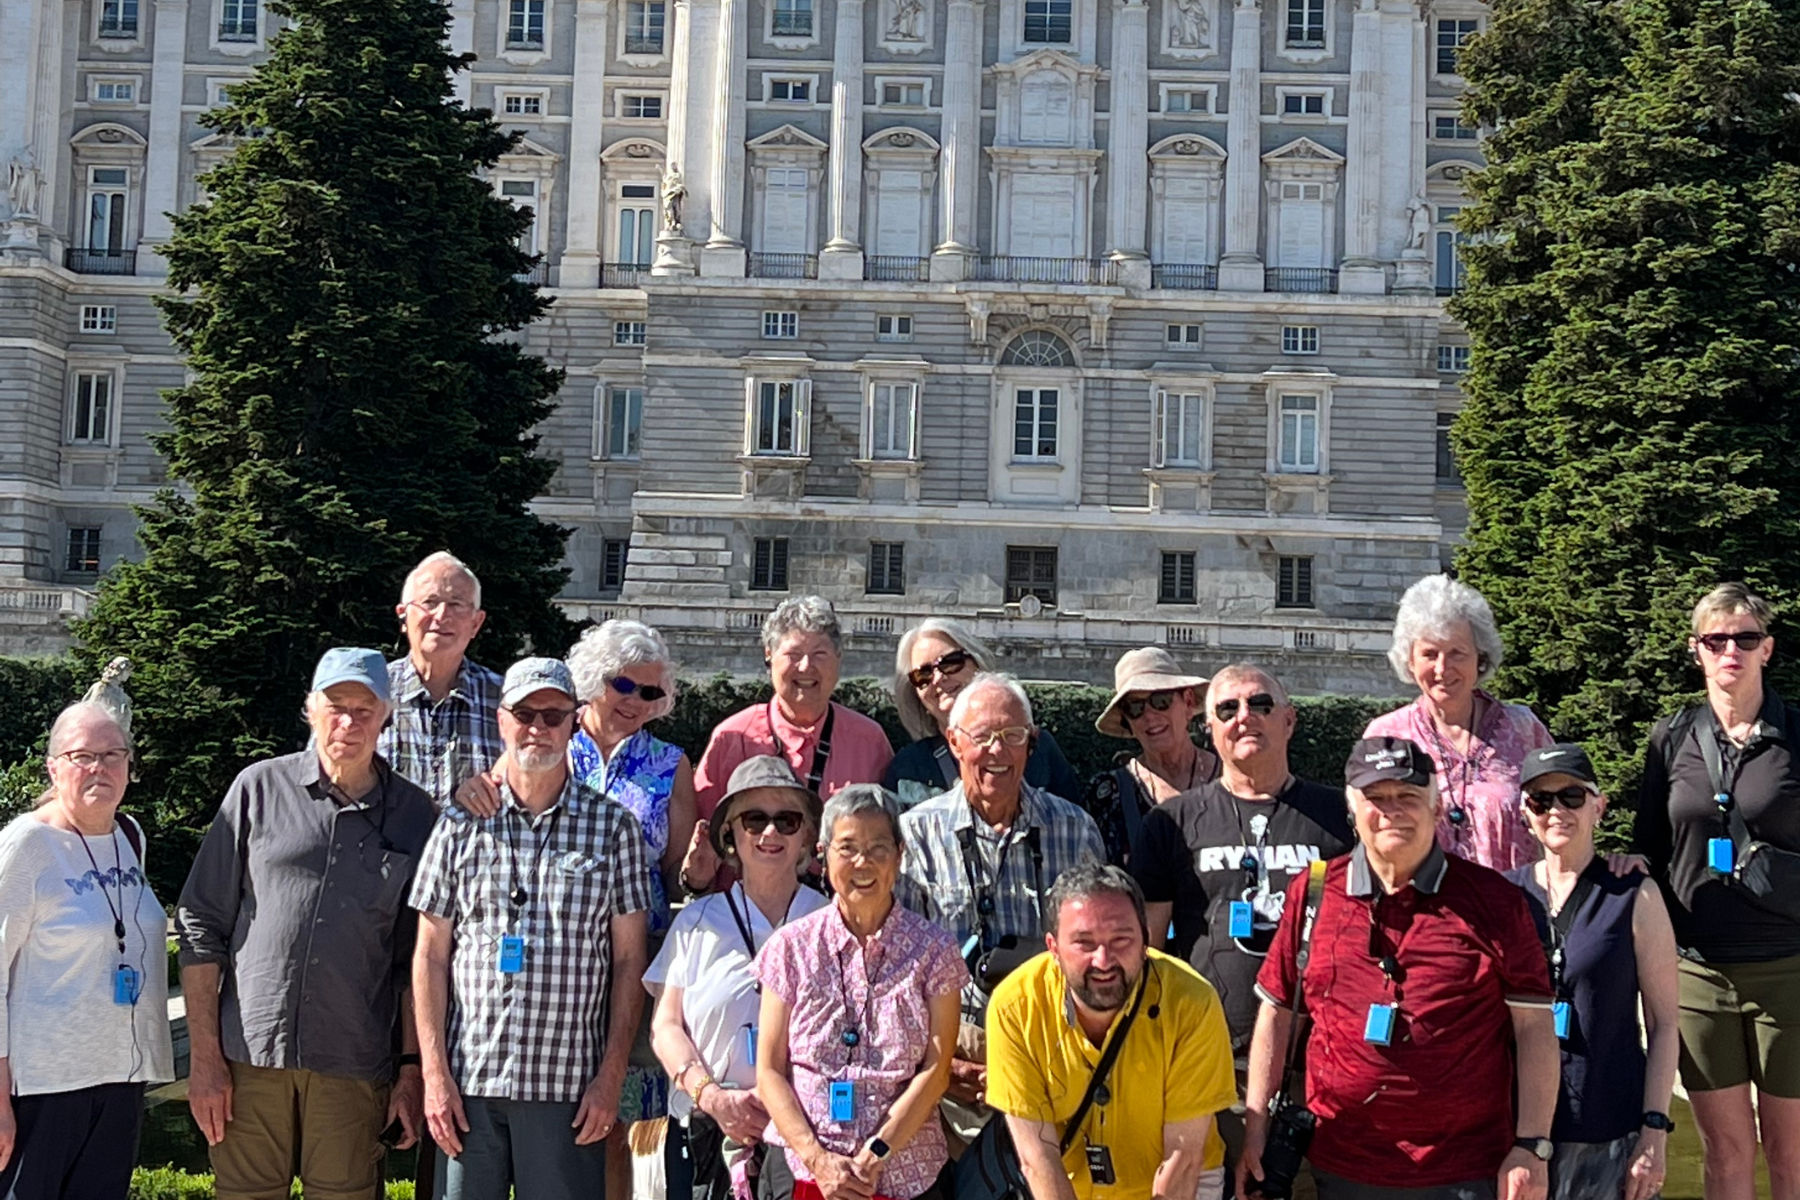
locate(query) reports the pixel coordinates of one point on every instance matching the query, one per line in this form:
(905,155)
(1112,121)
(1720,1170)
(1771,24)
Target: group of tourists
(495,914)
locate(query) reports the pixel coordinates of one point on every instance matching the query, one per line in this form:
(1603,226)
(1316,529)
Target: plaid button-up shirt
(538,1034)
(935,878)
(438,746)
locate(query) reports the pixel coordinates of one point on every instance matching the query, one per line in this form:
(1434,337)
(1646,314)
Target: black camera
(1291,1128)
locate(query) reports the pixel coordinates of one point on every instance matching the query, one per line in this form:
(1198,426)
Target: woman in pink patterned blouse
(858,1024)
(1446,643)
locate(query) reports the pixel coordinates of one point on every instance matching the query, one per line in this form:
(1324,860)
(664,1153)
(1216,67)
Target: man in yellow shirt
(1150,1129)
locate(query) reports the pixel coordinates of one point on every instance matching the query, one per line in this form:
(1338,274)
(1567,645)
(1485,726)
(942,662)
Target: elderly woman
(1610,945)
(707,996)
(1446,644)
(85,974)
(1156,702)
(1720,779)
(858,1025)
(936,659)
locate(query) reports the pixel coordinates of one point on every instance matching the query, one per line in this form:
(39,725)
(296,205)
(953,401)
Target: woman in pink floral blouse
(1446,643)
(858,1024)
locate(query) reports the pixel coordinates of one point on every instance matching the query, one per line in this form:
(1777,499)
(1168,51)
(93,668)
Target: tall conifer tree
(343,297)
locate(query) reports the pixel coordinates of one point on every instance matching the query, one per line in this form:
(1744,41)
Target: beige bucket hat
(1146,669)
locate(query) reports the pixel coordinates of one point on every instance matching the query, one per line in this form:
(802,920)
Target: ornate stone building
(1097,322)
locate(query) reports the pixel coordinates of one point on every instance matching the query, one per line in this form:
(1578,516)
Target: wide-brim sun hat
(763,771)
(1146,669)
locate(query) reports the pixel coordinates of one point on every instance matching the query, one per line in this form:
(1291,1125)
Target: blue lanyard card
(750,1044)
(1378,1030)
(1559,1014)
(1241,919)
(512,954)
(127,984)
(843,1101)
(1720,855)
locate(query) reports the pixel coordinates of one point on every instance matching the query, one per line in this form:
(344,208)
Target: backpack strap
(134,834)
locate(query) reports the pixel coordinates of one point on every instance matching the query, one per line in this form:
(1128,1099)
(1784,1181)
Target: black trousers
(78,1145)
(694,1160)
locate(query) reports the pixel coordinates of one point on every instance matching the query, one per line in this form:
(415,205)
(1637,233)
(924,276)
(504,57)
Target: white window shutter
(750,414)
(803,418)
(1159,451)
(912,434)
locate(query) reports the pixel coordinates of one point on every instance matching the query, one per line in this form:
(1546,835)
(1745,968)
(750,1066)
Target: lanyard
(986,902)
(519,896)
(821,752)
(1459,796)
(117,910)
(1557,933)
(1391,969)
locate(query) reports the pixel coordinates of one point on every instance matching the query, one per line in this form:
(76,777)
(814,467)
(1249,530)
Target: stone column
(674,249)
(960,158)
(723,253)
(462,41)
(162,160)
(1241,268)
(1128,142)
(584,245)
(25,28)
(842,257)
(1362,271)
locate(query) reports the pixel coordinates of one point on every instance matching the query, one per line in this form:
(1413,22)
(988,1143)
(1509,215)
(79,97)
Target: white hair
(1352,794)
(605,650)
(443,558)
(802,614)
(62,730)
(988,681)
(913,716)
(1433,608)
(860,798)
(1234,672)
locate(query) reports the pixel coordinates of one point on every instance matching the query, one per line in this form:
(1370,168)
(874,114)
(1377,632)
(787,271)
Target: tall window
(1452,36)
(887,569)
(624,422)
(118,18)
(237,20)
(1450,273)
(644,27)
(84,550)
(1298,434)
(1031,571)
(1034,423)
(90,418)
(1182,430)
(769,565)
(891,419)
(637,224)
(1306,24)
(1294,582)
(779,416)
(1177,583)
(1049,21)
(107,193)
(525,25)
(613,552)
(792,18)
(1446,456)
(523,194)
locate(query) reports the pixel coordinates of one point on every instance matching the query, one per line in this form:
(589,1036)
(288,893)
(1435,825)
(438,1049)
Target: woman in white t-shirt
(85,1022)
(704,1030)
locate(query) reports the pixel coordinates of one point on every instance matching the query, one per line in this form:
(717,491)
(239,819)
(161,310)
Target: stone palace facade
(1095,322)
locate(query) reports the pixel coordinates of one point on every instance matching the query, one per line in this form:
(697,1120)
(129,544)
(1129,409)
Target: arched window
(1037,348)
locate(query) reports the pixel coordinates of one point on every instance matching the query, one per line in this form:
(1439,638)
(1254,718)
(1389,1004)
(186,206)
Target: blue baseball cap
(353,664)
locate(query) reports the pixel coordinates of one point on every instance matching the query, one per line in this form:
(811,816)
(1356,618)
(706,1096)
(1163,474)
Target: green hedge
(167,1183)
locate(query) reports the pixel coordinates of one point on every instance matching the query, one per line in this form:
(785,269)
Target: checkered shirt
(935,884)
(438,746)
(538,1034)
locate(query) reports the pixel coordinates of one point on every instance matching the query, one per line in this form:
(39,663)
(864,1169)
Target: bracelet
(681,1074)
(706,1081)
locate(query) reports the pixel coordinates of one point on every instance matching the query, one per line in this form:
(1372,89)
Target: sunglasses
(755,821)
(1571,798)
(1133,706)
(549,718)
(944,664)
(1262,704)
(647,692)
(1748,639)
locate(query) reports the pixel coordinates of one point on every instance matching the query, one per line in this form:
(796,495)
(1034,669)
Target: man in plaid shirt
(528,975)
(444,728)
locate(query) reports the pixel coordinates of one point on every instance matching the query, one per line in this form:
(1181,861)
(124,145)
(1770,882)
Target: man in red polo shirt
(1429,1001)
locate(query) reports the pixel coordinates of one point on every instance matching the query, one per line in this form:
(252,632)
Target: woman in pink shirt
(1445,644)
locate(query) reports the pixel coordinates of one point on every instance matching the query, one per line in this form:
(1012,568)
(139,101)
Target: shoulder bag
(1770,874)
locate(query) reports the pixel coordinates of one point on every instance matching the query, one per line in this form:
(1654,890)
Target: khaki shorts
(1740,1023)
(327,1126)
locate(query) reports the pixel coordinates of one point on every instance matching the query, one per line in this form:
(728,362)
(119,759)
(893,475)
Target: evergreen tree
(343,298)
(1632,430)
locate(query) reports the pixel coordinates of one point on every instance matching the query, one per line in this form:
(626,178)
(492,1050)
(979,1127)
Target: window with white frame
(783,325)
(1034,422)
(780,417)
(1188,100)
(893,420)
(787,204)
(521,104)
(1305,25)
(91,408)
(1452,35)
(525,24)
(1305,104)
(791,18)
(1450,127)
(237,20)
(628,333)
(637,224)
(1450,272)
(99,318)
(1446,453)
(903,93)
(891,328)
(1452,360)
(115,91)
(785,89)
(523,194)
(624,422)
(220,93)
(1049,22)
(83,557)
(1185,336)
(1181,429)
(107,209)
(1297,434)
(1299,339)
(1302,242)
(644,26)
(118,18)
(641,106)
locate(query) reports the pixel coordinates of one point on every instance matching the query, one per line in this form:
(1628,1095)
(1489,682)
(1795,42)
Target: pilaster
(1241,267)
(723,253)
(462,41)
(27,163)
(583,248)
(1362,271)
(674,249)
(1128,132)
(162,159)
(960,156)
(842,256)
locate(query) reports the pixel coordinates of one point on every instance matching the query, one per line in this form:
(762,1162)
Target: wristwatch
(1657,1120)
(1541,1148)
(412,1060)
(878,1149)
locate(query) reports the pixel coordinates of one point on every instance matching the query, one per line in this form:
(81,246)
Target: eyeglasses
(1133,706)
(943,664)
(1746,639)
(647,692)
(1012,735)
(451,607)
(1262,704)
(549,718)
(755,821)
(878,853)
(87,760)
(1571,798)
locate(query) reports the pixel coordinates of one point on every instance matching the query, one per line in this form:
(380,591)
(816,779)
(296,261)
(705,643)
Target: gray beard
(537,760)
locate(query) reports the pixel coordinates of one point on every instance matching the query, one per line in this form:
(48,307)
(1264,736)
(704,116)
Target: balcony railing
(784,266)
(643,43)
(897,268)
(101,262)
(1014,269)
(1186,277)
(538,274)
(1300,279)
(791,24)
(623,275)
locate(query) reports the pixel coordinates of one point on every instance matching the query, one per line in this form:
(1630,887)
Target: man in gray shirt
(295,945)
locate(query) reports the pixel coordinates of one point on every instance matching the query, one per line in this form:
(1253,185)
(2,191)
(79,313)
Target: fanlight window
(1037,348)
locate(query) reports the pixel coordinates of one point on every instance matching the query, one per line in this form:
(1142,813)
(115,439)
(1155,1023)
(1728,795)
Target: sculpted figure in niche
(22,182)
(1188,25)
(674,189)
(904,26)
(1418,214)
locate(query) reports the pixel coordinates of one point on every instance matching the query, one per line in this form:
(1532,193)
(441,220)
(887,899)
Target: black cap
(1374,759)
(1564,758)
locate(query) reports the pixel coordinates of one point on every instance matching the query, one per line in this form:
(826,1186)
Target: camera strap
(1097,1084)
(1034,845)
(1315,894)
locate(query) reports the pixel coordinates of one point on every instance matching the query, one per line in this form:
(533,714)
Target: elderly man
(1429,1001)
(981,857)
(530,963)
(294,951)
(444,728)
(1102,992)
